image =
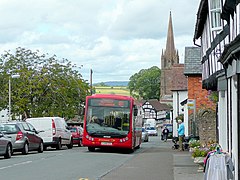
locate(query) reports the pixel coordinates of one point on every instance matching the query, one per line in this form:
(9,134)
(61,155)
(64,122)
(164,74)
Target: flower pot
(200,162)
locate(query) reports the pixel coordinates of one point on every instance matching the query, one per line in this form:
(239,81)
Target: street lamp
(9,94)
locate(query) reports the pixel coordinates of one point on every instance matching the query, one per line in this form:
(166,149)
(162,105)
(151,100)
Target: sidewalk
(159,162)
(184,168)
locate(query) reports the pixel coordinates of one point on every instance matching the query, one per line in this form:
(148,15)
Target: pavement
(158,162)
(184,168)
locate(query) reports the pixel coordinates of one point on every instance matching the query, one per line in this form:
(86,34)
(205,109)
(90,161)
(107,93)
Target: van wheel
(91,149)
(25,148)
(8,153)
(59,144)
(40,149)
(70,146)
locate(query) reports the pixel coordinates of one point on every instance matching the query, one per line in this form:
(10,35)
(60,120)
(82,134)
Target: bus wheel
(91,149)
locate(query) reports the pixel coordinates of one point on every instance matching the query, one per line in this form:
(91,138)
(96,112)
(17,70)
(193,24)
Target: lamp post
(9,94)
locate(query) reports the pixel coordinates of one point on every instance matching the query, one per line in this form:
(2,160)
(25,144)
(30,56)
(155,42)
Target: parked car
(5,146)
(53,130)
(24,136)
(152,131)
(77,133)
(144,135)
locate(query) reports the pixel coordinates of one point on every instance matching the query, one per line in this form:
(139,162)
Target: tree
(46,87)
(145,84)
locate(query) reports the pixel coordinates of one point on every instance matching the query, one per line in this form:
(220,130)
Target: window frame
(215,8)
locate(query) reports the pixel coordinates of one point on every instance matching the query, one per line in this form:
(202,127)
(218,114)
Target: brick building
(193,71)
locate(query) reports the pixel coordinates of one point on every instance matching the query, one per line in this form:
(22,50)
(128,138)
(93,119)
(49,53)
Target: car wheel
(8,153)
(91,149)
(70,146)
(40,149)
(25,148)
(59,144)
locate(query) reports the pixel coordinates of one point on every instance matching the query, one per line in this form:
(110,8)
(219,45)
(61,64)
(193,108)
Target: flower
(202,151)
(194,143)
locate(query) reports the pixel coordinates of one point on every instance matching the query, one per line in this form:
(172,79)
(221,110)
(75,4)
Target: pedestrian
(181,134)
(165,133)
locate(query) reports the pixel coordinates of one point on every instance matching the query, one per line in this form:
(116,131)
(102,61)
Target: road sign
(191,103)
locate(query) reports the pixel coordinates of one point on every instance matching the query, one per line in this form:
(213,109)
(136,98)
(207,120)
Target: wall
(202,100)
(222,119)
(196,92)
(178,97)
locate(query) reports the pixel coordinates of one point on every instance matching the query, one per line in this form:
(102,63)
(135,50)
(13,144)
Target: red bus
(112,121)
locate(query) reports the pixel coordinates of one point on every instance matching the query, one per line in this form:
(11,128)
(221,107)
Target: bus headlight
(124,139)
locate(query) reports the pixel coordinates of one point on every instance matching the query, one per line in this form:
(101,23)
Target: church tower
(169,58)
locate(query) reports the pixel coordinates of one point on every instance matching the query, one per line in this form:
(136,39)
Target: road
(78,163)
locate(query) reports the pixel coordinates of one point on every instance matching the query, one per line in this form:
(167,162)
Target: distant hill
(113,83)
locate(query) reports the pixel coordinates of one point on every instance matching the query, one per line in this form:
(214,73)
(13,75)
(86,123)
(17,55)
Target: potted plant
(193,144)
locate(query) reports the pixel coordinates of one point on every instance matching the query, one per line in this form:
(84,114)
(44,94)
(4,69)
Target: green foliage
(47,86)
(102,84)
(194,143)
(200,152)
(213,96)
(145,84)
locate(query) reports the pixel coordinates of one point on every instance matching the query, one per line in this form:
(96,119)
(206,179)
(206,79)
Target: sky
(114,38)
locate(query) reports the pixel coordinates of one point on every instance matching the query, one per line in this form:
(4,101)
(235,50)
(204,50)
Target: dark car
(77,133)
(5,146)
(24,136)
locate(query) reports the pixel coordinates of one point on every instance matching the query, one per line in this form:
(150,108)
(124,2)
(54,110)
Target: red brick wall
(196,92)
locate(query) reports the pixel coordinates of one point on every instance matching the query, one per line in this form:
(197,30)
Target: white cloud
(114,38)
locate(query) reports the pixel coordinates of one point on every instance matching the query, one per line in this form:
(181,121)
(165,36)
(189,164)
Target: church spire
(170,55)
(170,47)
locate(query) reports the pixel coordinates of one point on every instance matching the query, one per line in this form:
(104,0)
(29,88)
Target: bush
(200,152)
(194,143)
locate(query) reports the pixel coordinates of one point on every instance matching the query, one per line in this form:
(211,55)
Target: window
(31,127)
(215,10)
(25,127)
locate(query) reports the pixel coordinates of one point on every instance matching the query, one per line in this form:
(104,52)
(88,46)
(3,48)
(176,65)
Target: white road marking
(26,162)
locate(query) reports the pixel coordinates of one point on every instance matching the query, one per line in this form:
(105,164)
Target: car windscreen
(9,129)
(150,128)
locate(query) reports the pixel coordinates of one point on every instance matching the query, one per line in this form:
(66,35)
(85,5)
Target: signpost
(192,105)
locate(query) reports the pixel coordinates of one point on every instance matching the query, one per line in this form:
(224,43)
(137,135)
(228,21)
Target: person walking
(181,134)
(165,133)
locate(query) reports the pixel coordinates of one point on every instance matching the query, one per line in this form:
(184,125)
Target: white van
(53,130)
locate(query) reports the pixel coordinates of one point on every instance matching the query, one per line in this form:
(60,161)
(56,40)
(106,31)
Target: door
(30,136)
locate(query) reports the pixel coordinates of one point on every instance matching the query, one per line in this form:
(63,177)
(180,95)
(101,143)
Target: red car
(77,133)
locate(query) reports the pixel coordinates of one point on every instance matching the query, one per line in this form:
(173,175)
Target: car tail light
(19,135)
(53,127)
